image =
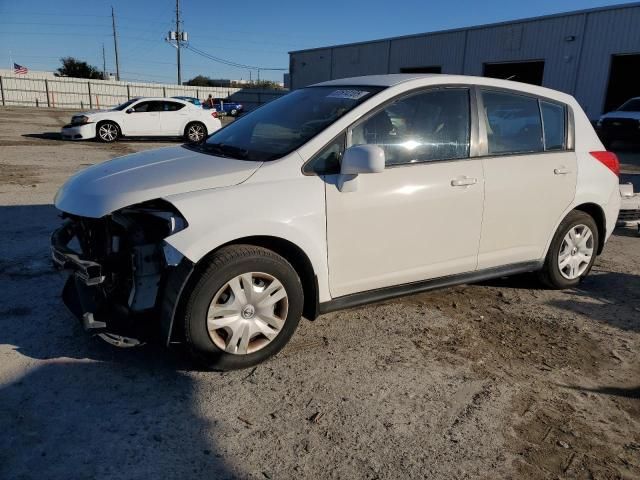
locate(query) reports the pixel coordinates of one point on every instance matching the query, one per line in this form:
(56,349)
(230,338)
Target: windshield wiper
(227,150)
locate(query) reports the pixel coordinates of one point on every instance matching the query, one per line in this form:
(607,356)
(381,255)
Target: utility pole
(178,38)
(104,64)
(115,43)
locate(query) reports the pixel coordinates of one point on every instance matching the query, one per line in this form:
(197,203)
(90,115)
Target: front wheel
(243,308)
(195,132)
(572,251)
(107,132)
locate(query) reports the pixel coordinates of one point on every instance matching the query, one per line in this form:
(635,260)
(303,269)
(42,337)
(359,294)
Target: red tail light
(609,160)
(214,114)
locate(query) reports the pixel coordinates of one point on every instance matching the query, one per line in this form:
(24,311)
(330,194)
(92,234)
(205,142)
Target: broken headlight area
(118,264)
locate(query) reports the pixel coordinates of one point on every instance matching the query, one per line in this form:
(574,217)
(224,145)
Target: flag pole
(10,62)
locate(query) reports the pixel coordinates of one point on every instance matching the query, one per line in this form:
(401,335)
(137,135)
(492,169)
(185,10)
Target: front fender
(291,209)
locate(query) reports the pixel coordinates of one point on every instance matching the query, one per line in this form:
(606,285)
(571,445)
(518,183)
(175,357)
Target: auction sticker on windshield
(348,94)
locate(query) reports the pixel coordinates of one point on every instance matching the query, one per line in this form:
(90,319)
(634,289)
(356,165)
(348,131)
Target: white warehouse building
(592,54)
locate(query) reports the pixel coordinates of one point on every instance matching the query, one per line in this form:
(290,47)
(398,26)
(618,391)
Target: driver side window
(141,107)
(423,127)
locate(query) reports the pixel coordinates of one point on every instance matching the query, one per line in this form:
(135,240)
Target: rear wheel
(234,112)
(107,132)
(195,132)
(572,251)
(243,308)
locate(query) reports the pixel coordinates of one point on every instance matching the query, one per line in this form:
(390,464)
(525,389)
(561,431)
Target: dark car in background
(193,100)
(228,107)
(621,124)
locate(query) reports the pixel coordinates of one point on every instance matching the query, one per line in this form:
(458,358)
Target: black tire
(190,132)
(220,268)
(550,274)
(105,132)
(234,112)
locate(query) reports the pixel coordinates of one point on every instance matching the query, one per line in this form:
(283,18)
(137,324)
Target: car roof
(168,99)
(425,79)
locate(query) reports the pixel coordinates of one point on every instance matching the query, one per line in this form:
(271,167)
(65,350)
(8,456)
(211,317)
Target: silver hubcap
(108,132)
(196,133)
(576,252)
(247,313)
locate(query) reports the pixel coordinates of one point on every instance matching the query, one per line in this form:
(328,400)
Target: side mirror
(130,110)
(362,159)
(356,160)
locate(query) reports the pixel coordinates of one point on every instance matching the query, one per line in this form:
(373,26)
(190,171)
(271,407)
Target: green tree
(200,81)
(203,81)
(72,67)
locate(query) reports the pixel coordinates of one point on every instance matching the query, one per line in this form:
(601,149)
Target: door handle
(463,182)
(561,171)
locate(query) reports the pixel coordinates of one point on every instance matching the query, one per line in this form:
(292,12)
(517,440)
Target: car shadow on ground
(45,136)
(58,136)
(73,406)
(633,392)
(607,297)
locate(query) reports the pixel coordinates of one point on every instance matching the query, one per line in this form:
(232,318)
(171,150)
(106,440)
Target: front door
(421,217)
(530,176)
(144,119)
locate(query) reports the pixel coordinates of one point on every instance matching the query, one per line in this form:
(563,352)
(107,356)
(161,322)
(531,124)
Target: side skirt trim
(371,296)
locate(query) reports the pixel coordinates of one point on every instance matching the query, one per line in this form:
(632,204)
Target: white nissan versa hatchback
(335,195)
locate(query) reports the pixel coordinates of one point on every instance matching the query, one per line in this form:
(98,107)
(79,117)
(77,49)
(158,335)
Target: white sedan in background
(144,117)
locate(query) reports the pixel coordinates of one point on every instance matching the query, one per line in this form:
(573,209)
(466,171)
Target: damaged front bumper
(123,285)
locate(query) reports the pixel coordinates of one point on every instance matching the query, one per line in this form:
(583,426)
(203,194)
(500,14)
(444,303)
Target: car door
(173,118)
(530,175)
(143,118)
(421,217)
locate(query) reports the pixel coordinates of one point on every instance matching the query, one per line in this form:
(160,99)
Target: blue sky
(39,32)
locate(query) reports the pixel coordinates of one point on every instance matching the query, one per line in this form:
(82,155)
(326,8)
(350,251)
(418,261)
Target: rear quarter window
(554,121)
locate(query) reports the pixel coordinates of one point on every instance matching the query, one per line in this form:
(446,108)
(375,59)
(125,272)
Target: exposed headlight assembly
(155,219)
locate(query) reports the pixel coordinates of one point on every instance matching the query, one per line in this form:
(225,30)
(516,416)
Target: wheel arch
(298,259)
(291,252)
(190,121)
(116,123)
(597,213)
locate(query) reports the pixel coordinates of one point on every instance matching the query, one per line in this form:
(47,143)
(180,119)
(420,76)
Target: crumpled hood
(109,186)
(619,114)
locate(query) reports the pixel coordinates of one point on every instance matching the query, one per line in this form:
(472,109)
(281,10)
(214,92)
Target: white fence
(96,94)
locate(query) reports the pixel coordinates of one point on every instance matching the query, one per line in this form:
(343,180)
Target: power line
(231,63)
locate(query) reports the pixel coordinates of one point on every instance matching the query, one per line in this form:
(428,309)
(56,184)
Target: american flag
(19,69)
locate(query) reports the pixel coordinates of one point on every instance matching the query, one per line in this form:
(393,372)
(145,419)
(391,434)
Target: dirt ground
(498,380)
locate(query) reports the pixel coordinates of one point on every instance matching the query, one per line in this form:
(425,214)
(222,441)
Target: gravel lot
(498,380)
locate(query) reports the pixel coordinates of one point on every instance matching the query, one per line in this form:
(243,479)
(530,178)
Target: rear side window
(513,123)
(554,122)
(172,106)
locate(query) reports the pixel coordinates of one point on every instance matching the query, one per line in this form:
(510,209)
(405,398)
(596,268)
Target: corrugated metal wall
(364,59)
(576,49)
(607,33)
(444,49)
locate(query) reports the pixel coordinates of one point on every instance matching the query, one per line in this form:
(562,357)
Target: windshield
(125,104)
(632,105)
(282,126)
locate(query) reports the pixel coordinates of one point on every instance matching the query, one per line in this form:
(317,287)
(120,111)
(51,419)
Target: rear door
(173,118)
(530,175)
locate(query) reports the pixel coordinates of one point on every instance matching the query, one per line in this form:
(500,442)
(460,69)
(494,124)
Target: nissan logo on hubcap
(248,311)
